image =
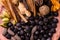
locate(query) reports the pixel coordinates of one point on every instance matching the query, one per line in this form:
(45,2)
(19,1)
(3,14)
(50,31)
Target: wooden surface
(55,36)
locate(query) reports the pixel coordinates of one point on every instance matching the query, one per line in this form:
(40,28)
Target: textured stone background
(55,36)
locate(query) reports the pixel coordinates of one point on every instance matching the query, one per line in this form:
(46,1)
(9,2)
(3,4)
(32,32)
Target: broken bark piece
(11,9)
(23,10)
(25,20)
(31,5)
(44,10)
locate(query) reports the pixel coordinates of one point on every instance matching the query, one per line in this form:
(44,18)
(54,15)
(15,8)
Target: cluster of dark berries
(45,28)
(37,28)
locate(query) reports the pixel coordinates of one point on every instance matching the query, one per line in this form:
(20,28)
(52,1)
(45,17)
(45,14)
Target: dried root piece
(31,5)
(21,15)
(23,10)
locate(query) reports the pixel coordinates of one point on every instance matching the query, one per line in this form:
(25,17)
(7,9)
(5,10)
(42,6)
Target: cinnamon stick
(11,9)
(4,3)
